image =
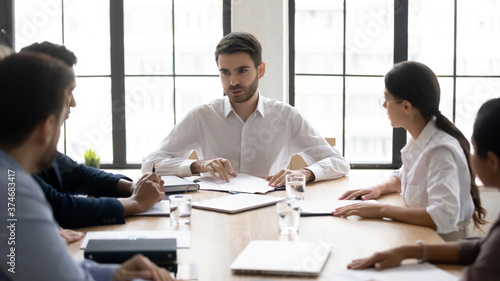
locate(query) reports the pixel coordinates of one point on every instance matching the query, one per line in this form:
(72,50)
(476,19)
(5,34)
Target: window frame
(117,75)
(400,54)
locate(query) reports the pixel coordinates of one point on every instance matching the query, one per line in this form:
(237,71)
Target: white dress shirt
(435,175)
(261,146)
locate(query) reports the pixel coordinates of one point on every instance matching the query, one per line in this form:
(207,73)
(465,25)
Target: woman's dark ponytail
(447,126)
(417,83)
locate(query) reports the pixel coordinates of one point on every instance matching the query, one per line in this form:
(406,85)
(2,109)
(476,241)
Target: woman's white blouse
(435,175)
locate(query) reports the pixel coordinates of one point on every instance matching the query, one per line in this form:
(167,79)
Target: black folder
(159,251)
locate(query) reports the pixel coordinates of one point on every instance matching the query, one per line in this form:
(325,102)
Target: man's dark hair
(240,42)
(32,87)
(54,50)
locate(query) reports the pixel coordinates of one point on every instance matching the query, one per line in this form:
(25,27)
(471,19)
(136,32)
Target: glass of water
(180,209)
(288,216)
(295,186)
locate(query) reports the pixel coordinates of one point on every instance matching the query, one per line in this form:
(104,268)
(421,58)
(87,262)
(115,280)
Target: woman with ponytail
(480,255)
(435,180)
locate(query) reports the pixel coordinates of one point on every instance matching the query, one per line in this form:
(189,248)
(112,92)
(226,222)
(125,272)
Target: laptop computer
(236,203)
(294,258)
(177,184)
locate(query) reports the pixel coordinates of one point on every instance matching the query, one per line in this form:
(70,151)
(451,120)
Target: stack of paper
(413,272)
(241,183)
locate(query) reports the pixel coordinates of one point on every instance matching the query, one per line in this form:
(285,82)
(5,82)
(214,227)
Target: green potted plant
(92,159)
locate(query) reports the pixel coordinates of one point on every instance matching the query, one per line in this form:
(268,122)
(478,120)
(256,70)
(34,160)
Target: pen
(154,167)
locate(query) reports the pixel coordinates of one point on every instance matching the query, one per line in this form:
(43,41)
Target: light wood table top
(218,238)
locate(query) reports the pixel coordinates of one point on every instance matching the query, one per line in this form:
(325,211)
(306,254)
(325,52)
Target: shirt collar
(423,139)
(228,108)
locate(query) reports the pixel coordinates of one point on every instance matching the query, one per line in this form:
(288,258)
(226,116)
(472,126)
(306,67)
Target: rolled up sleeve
(443,191)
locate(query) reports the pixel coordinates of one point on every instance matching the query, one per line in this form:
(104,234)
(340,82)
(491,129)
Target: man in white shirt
(245,132)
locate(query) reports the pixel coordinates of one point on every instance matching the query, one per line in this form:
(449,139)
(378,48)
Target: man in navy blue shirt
(34,89)
(66,178)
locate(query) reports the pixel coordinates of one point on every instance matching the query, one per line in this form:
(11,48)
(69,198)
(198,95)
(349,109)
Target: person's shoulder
(63,159)
(443,146)
(276,105)
(213,105)
(442,139)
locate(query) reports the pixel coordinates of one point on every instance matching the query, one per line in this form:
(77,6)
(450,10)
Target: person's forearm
(130,206)
(418,216)
(310,177)
(393,184)
(124,188)
(195,167)
(443,253)
(436,253)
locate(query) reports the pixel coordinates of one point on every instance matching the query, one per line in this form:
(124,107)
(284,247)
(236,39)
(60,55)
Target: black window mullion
(344,64)
(400,54)
(7,23)
(118,83)
(226,17)
(174,89)
(291,52)
(455,61)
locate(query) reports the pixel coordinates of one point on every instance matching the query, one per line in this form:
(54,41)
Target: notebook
(282,257)
(236,203)
(177,184)
(160,209)
(118,251)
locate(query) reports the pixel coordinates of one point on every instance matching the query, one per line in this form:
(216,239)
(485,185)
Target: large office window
(164,67)
(459,40)
(343,48)
(89,124)
(340,56)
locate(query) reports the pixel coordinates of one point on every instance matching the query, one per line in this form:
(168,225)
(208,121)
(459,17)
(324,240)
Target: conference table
(218,238)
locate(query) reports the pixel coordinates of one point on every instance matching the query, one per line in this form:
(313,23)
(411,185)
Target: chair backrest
(297,162)
(194,156)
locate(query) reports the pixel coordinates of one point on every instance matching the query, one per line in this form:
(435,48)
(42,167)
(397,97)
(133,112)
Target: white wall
(266,20)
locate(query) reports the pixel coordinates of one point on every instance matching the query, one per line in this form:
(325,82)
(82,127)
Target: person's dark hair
(487,128)
(415,82)
(240,42)
(54,50)
(32,87)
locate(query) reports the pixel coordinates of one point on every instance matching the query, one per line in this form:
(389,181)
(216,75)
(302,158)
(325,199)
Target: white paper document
(241,183)
(159,209)
(322,207)
(183,236)
(412,272)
